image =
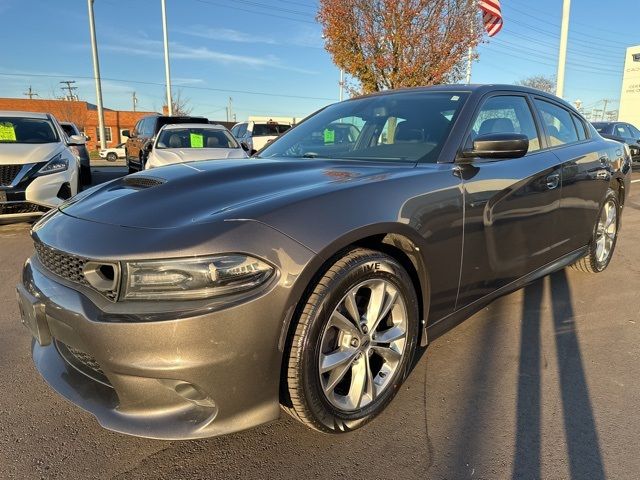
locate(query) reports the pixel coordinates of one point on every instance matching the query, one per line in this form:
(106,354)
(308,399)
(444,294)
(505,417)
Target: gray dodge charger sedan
(199,299)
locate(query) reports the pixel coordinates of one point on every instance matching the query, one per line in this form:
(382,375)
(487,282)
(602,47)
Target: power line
(193,87)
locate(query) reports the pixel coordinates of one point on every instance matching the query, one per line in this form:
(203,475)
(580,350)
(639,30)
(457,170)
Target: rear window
(27,130)
(601,127)
(265,129)
(162,121)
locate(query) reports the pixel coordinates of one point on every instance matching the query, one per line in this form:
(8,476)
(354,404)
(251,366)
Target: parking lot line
(635,181)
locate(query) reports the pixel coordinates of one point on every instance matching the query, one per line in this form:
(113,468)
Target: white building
(630,96)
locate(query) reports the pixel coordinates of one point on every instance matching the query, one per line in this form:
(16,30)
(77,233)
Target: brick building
(83,114)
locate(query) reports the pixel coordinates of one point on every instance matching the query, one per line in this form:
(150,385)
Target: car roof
(470,88)
(11,113)
(210,126)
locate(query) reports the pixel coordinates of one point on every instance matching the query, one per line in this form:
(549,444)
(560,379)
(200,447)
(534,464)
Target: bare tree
(386,44)
(541,82)
(181,105)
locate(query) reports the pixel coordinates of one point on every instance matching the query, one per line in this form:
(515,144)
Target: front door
(511,205)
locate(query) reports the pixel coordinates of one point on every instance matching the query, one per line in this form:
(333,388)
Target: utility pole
(230,110)
(562,55)
(166,56)
(96,74)
(69,88)
(30,93)
(135,100)
(341,96)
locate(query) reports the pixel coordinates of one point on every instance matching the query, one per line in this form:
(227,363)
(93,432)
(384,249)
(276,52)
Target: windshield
(404,126)
(195,138)
(26,130)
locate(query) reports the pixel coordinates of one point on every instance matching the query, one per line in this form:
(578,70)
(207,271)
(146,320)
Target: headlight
(55,165)
(194,278)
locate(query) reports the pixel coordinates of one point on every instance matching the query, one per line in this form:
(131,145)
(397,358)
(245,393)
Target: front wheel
(112,157)
(604,238)
(353,343)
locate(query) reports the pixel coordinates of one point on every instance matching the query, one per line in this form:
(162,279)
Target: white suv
(38,170)
(256,135)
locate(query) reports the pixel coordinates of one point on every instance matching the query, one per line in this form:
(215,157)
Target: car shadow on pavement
(581,437)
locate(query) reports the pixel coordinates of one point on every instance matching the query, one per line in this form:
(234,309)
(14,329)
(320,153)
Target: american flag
(491,15)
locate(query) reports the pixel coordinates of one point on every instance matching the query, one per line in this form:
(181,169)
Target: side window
(149,126)
(507,114)
(558,124)
(634,132)
(234,130)
(242,130)
(622,131)
(582,133)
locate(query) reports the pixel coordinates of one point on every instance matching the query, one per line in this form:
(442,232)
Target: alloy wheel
(363,344)
(606,231)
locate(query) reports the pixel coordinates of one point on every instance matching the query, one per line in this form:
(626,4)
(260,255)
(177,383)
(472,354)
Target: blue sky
(223,48)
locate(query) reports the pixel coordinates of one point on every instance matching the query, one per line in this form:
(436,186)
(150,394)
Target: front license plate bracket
(33,316)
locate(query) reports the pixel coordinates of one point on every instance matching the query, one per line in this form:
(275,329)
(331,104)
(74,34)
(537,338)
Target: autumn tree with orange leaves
(387,44)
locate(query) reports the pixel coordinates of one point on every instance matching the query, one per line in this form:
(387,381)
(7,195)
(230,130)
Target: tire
(85,175)
(317,338)
(605,230)
(112,157)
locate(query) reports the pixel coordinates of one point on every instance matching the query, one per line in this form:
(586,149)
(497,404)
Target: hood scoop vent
(140,182)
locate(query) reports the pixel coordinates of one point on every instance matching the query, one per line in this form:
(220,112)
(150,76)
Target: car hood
(200,192)
(22,153)
(169,156)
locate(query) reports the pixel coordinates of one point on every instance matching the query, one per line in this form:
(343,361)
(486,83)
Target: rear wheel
(353,343)
(604,239)
(112,157)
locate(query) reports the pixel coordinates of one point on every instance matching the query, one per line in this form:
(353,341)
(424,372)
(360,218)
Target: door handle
(553,181)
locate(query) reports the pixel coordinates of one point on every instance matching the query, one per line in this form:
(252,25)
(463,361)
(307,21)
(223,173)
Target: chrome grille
(69,267)
(8,173)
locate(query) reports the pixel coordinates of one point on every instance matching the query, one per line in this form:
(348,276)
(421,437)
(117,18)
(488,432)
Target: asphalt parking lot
(543,383)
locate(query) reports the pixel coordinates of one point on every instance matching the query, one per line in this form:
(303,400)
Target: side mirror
(498,145)
(244,146)
(128,133)
(77,140)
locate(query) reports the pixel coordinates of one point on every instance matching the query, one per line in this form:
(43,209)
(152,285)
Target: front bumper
(190,378)
(189,375)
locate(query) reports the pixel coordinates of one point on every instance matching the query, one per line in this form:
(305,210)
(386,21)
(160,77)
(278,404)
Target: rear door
(511,205)
(585,172)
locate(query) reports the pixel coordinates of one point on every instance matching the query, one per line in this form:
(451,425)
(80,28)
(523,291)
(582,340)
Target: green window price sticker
(7,132)
(197,140)
(329,136)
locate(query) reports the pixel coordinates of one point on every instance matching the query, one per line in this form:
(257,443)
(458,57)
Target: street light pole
(167,70)
(341,96)
(562,56)
(96,75)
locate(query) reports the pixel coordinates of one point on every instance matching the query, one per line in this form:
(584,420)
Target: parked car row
(622,132)
(195,301)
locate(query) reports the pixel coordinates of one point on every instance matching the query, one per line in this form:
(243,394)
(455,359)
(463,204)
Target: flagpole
(562,55)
